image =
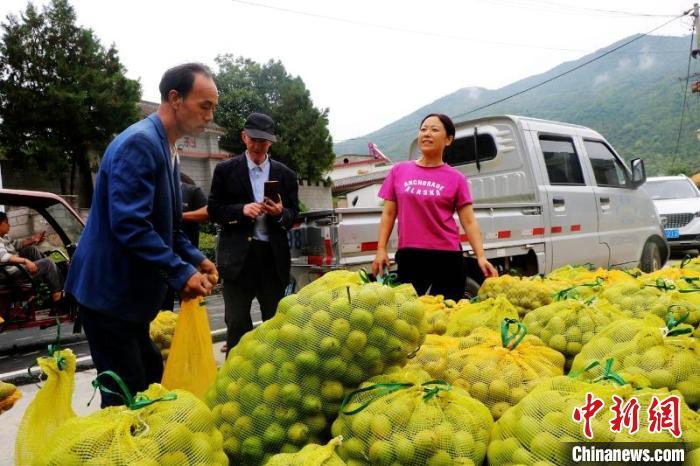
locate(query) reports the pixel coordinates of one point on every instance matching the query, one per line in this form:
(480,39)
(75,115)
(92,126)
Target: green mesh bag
(406,418)
(157,427)
(489,313)
(665,353)
(281,386)
(536,430)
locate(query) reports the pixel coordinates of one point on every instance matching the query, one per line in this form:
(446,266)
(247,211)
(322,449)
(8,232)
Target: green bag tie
(633,274)
(686,260)
(662,285)
(388,278)
(586,265)
(132,402)
(609,374)
(693,289)
(382,388)
(53,351)
(387,388)
(439,386)
(511,340)
(569,293)
(590,300)
(691,280)
(672,322)
(363,276)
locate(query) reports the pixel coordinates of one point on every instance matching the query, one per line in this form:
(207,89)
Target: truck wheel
(471,288)
(651,257)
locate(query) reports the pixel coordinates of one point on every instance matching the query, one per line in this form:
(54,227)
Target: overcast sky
(370,62)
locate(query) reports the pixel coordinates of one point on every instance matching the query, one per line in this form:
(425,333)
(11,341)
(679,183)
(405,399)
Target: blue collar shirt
(259,174)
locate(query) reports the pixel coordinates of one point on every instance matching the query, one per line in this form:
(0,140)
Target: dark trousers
(124,348)
(46,268)
(443,272)
(257,279)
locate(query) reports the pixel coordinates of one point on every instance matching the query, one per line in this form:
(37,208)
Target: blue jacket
(132,247)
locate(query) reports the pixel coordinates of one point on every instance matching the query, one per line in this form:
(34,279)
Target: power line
(685,98)
(402,30)
(588,62)
(558,8)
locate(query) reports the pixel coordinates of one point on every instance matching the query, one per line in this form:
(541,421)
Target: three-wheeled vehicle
(24,302)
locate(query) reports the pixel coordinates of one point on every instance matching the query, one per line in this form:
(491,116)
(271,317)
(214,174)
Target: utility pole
(696,28)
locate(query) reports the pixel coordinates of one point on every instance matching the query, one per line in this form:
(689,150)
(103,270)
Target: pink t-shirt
(426,200)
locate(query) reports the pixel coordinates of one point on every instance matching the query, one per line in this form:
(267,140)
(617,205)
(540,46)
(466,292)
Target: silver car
(677,202)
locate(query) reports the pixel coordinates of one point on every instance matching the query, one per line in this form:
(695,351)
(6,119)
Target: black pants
(46,268)
(257,279)
(123,347)
(443,272)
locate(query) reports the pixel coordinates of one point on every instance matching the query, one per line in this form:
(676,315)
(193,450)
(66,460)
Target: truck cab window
(561,159)
(461,151)
(607,168)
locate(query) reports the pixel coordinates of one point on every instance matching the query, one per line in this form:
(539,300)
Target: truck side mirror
(639,174)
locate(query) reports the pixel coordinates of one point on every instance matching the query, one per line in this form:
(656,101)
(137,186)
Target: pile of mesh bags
(539,429)
(281,386)
(665,354)
(406,418)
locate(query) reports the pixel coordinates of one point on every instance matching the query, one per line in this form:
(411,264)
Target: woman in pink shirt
(424,194)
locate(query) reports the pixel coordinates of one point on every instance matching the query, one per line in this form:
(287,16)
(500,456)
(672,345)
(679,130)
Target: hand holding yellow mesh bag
(310,455)
(191,365)
(406,418)
(155,427)
(50,408)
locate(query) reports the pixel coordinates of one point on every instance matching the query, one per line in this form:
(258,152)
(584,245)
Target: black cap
(260,126)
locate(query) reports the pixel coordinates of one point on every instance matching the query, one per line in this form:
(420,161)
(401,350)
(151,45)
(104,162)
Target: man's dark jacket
(230,191)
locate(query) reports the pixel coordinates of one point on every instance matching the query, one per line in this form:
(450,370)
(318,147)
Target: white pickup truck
(546,194)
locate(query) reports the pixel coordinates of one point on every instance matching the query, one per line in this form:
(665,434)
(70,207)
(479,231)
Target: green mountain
(633,96)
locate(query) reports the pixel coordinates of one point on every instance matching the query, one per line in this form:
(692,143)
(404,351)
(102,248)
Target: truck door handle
(605,201)
(558,202)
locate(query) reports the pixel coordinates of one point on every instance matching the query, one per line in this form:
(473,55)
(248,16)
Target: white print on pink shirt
(416,187)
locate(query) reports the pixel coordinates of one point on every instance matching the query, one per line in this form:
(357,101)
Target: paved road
(20,348)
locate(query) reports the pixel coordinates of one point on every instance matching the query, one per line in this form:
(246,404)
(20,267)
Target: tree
(63,96)
(303,141)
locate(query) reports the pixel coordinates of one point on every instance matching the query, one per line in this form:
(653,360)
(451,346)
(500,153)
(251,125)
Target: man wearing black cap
(253,252)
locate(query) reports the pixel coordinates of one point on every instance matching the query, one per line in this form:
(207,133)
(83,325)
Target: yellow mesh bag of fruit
(161,331)
(537,429)
(50,408)
(663,352)
(568,324)
(310,455)
(157,426)
(690,264)
(525,294)
(407,418)
(641,298)
(281,386)
(489,313)
(499,375)
(191,365)
(434,355)
(437,312)
(9,394)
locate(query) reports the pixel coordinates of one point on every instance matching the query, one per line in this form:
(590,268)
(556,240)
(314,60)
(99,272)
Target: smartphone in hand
(272,190)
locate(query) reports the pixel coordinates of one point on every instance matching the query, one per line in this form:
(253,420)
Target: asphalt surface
(20,348)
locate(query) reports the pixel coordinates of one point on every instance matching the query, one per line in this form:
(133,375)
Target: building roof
(359,181)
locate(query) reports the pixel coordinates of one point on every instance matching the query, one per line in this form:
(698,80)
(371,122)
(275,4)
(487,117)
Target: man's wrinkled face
(194,112)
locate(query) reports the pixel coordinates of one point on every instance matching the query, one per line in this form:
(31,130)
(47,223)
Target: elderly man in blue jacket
(133,246)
